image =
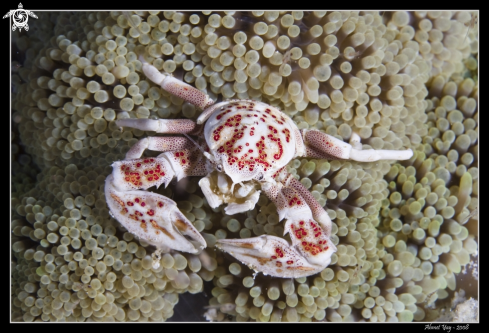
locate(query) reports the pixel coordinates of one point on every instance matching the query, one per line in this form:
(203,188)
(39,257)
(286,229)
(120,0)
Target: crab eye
(259,176)
(219,167)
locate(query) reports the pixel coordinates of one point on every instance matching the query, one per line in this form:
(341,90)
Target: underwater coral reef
(405,231)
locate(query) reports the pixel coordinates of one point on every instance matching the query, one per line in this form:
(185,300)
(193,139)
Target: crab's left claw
(154,218)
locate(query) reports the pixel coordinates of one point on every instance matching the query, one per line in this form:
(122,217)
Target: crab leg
(318,212)
(158,143)
(311,247)
(187,162)
(142,173)
(153,217)
(322,145)
(207,112)
(169,126)
(176,87)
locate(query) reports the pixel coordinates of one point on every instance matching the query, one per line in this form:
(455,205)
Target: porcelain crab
(248,142)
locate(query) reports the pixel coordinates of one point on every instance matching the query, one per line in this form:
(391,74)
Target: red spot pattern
(143,225)
(130,210)
(188,93)
(118,200)
(191,160)
(251,157)
(324,143)
(294,201)
(277,140)
(279,119)
(312,248)
(181,156)
(142,170)
(278,173)
(156,226)
(312,236)
(287,134)
(131,176)
(279,252)
(299,232)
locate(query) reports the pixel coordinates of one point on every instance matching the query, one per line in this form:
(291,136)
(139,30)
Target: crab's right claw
(153,218)
(311,248)
(269,254)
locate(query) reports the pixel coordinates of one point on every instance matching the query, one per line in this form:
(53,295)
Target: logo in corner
(20,17)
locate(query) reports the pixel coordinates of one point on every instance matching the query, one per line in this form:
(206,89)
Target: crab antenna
(206,154)
(195,143)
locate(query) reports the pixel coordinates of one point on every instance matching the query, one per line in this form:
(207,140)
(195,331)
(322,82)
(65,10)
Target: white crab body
(251,140)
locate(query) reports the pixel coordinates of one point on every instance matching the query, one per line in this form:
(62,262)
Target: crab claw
(311,248)
(142,173)
(271,255)
(153,218)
